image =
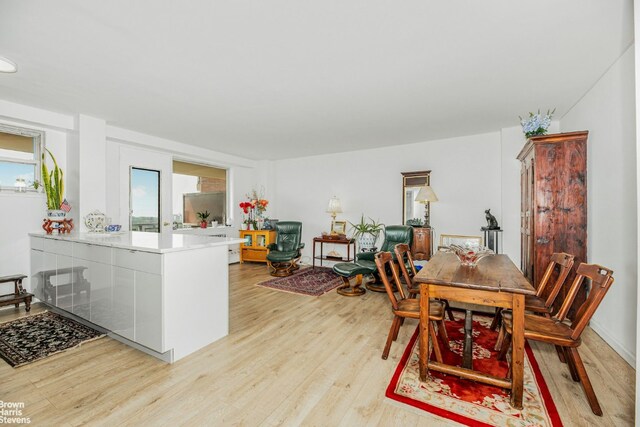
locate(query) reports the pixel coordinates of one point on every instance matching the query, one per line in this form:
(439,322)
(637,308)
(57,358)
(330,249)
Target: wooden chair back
(562,262)
(601,279)
(404,257)
(384,260)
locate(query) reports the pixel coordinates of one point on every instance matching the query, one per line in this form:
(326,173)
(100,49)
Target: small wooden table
(19,295)
(322,257)
(495,282)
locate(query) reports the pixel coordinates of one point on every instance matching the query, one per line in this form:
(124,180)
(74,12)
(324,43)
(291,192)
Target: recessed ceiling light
(7,66)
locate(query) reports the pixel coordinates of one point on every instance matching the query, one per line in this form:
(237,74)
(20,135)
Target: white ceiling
(280,79)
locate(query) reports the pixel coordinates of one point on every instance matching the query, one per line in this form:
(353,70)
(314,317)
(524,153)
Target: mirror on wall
(413,211)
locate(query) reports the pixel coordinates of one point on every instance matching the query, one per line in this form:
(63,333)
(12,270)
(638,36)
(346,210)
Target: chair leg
(499,340)
(385,352)
(570,364)
(398,325)
(561,354)
(506,343)
(442,331)
(496,319)
(434,341)
(447,307)
(584,379)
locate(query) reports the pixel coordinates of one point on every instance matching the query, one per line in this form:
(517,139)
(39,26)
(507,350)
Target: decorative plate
(95,222)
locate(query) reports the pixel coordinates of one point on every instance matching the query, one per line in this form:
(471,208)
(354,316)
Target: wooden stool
(19,295)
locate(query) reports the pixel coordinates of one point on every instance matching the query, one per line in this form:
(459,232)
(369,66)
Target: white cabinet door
(101,298)
(122,314)
(63,282)
(48,277)
(81,288)
(148,312)
(37,282)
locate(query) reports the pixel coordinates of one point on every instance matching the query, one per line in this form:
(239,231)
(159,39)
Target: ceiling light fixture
(7,66)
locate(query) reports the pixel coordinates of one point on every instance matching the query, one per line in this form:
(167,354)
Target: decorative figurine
(492,222)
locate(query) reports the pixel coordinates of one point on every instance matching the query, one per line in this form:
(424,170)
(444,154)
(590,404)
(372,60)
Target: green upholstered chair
(393,235)
(284,255)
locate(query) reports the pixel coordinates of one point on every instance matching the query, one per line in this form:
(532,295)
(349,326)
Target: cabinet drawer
(58,247)
(136,260)
(94,253)
(254,255)
(37,243)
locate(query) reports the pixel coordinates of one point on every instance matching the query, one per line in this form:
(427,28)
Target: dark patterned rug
(35,337)
(306,281)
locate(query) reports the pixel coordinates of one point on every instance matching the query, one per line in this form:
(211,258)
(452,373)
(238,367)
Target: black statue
(492,222)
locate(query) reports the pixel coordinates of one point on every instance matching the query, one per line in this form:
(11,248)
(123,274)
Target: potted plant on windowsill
(53,184)
(366,233)
(202,216)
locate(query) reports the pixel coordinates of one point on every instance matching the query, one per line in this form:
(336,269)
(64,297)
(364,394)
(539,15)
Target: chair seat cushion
(281,256)
(541,328)
(349,269)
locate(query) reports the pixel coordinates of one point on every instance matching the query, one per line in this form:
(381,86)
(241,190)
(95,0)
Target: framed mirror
(413,213)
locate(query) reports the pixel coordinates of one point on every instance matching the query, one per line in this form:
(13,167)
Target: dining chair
(560,264)
(403,253)
(554,331)
(404,307)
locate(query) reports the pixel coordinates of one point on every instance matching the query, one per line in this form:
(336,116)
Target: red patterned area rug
(306,281)
(468,402)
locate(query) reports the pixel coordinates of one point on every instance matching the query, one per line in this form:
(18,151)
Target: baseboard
(629,357)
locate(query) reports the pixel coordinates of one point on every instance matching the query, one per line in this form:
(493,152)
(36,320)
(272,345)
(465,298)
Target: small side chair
(567,337)
(404,307)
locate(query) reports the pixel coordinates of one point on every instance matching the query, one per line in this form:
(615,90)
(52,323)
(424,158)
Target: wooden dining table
(495,282)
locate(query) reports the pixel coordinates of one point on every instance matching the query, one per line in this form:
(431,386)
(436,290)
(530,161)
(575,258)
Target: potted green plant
(202,216)
(366,233)
(53,184)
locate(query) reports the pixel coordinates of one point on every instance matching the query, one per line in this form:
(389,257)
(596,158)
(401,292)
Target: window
(20,153)
(198,188)
(145,200)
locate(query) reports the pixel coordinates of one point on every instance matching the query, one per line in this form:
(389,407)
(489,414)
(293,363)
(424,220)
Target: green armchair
(393,235)
(284,255)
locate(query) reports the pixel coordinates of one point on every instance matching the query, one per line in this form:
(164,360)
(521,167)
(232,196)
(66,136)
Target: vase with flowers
(253,210)
(536,123)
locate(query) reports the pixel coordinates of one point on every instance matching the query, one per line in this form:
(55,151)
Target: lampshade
(334,205)
(426,194)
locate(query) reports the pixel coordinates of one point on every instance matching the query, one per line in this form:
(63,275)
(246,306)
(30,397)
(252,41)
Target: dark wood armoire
(553,216)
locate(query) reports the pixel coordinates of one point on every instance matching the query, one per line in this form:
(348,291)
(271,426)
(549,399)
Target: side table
(19,295)
(322,240)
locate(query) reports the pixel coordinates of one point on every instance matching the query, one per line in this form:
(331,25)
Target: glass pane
(16,146)
(10,172)
(145,200)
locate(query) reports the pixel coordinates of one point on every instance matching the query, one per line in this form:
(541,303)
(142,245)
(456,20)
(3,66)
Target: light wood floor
(289,360)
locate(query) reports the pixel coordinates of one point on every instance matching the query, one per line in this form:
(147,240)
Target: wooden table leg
(467,354)
(423,343)
(517,352)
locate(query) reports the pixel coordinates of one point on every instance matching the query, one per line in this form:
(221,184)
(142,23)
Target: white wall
(23,213)
(607,111)
(465,176)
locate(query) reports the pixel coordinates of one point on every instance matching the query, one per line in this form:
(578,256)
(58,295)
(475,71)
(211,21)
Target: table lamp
(334,208)
(426,195)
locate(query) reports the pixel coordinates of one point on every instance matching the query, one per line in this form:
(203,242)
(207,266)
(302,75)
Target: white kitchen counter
(165,294)
(146,242)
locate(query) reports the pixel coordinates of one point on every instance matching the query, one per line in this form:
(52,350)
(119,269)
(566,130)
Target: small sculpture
(492,222)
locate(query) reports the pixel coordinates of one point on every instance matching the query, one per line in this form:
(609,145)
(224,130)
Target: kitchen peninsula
(166,294)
